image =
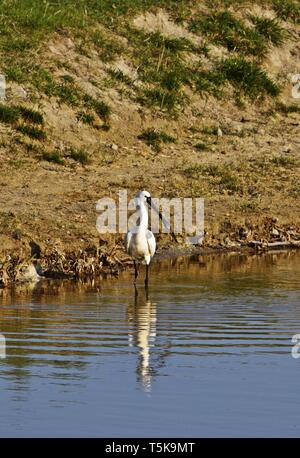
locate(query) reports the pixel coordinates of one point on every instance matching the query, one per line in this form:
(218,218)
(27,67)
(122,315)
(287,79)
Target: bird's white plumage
(151,243)
(140,243)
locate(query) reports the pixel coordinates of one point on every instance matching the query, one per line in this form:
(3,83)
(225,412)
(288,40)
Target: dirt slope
(49,186)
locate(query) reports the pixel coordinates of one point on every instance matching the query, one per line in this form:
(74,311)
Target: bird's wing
(151,243)
(127,241)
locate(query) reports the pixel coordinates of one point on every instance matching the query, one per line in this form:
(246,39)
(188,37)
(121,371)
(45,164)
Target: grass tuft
(287,10)
(286,109)
(270,29)
(31,131)
(154,138)
(78,155)
(223,28)
(209,81)
(285,161)
(210,130)
(52,156)
(107,50)
(118,75)
(248,77)
(8,115)
(222,176)
(162,98)
(86,118)
(201,146)
(101,108)
(30,115)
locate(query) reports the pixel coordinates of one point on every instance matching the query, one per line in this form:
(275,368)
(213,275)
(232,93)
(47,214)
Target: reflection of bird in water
(142,315)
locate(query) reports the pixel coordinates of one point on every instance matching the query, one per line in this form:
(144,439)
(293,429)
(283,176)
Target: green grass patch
(52,156)
(68,79)
(162,98)
(8,115)
(248,77)
(201,146)
(42,79)
(30,115)
(155,138)
(107,49)
(287,10)
(14,73)
(193,171)
(175,45)
(223,28)
(165,66)
(153,42)
(209,81)
(102,109)
(66,92)
(162,67)
(118,75)
(78,155)
(86,118)
(16,44)
(270,29)
(31,131)
(222,176)
(229,181)
(173,79)
(210,130)
(285,161)
(286,109)
(11,114)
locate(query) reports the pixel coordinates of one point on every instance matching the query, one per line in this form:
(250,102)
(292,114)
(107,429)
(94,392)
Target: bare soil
(54,205)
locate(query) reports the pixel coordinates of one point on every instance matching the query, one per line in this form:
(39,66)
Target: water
(207,352)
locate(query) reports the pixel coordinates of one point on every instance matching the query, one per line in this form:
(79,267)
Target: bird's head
(144,197)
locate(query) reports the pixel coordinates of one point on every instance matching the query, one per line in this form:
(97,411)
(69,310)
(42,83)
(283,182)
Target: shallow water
(206,352)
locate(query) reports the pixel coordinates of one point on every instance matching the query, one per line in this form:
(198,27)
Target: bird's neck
(143,217)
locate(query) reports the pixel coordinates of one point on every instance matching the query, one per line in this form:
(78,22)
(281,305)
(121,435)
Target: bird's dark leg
(147,276)
(136,271)
(146,292)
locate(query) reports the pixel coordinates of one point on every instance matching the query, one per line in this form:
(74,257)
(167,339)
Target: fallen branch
(287,244)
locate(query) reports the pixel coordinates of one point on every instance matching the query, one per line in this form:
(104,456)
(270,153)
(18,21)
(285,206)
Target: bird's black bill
(162,218)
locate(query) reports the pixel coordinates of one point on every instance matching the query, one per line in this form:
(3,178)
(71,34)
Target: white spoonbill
(140,243)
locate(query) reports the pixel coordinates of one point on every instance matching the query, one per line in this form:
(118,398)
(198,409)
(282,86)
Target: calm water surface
(206,352)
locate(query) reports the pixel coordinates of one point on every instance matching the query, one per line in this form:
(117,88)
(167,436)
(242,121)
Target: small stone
(114,147)
(20,92)
(275,232)
(2,87)
(28,273)
(220,133)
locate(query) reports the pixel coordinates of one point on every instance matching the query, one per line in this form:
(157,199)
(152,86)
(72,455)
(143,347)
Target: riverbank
(94,263)
(154,98)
